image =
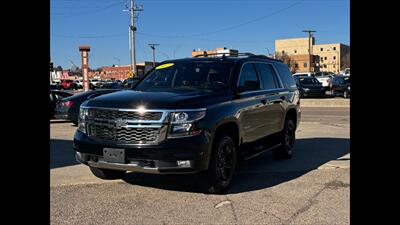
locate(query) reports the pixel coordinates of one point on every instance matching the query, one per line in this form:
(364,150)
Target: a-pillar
(84,49)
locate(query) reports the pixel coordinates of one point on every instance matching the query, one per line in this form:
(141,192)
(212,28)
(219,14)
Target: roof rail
(248,54)
(225,54)
(265,57)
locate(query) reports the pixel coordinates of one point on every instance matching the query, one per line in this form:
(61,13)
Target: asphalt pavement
(310,188)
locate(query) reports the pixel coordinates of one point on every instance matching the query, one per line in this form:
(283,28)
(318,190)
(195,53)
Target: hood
(131,99)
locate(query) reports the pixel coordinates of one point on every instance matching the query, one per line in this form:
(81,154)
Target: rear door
(274,95)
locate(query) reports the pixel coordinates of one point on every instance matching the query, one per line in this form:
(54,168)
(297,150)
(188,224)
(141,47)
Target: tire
(287,139)
(346,94)
(107,174)
(221,168)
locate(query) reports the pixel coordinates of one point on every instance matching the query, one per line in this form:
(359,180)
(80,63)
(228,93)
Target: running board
(263,151)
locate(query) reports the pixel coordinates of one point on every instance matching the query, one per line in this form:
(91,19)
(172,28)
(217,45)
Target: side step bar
(263,151)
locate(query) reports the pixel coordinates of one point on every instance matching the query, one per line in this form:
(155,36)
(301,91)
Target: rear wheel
(221,168)
(346,94)
(287,139)
(107,174)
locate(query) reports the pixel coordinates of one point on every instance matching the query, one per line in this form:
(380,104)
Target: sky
(179,26)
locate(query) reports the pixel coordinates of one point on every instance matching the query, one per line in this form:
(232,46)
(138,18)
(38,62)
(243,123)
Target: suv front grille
(126,127)
(125,115)
(124,134)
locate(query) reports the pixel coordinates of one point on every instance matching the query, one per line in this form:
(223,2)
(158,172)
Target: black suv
(193,115)
(341,85)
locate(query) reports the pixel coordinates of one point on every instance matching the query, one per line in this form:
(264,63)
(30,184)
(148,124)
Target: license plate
(114,155)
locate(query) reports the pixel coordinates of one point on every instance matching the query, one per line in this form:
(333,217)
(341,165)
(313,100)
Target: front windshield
(308,81)
(206,76)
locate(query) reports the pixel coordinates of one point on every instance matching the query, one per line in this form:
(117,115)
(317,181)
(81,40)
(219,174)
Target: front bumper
(312,93)
(155,159)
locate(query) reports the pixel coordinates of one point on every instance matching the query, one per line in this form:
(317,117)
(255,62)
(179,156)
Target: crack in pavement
(262,211)
(310,202)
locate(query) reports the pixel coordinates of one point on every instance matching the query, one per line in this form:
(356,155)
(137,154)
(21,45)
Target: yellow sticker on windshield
(163,66)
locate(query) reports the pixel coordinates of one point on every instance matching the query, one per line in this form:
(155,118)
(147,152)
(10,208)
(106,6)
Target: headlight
(183,123)
(83,113)
(348,88)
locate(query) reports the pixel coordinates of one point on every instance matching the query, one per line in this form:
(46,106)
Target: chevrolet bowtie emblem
(121,123)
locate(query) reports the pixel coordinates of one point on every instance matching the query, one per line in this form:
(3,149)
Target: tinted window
(307,80)
(267,75)
(207,76)
(249,78)
(285,75)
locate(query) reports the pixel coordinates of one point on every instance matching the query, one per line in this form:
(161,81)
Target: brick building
(324,57)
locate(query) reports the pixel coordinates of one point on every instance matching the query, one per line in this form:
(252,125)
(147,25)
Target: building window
(305,64)
(322,49)
(283,52)
(334,66)
(324,65)
(326,58)
(334,48)
(295,51)
(334,57)
(296,65)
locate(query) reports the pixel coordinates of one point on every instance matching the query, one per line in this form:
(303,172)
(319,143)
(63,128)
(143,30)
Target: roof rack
(225,54)
(248,54)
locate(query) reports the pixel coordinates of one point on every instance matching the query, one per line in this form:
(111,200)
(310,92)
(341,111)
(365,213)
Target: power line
(87,36)
(88,12)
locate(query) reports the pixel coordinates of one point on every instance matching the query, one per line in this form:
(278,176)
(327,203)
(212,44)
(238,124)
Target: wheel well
(230,128)
(291,114)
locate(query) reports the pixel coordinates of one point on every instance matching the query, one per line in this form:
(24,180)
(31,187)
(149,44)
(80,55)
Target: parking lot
(310,188)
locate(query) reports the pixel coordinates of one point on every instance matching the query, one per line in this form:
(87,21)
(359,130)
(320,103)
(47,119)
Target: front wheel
(287,139)
(107,174)
(221,168)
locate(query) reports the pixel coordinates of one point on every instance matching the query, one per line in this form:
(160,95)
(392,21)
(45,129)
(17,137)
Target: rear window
(308,80)
(285,75)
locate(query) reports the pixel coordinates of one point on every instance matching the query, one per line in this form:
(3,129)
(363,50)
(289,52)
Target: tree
(284,57)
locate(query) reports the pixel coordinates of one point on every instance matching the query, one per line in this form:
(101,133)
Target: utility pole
(132,31)
(153,47)
(310,32)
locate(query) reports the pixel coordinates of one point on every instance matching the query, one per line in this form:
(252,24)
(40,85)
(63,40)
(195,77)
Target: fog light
(184,163)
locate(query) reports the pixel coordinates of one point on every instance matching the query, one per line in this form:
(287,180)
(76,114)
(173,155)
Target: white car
(95,82)
(325,78)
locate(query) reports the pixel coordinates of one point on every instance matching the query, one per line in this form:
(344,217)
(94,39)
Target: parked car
(68,108)
(68,85)
(95,82)
(56,96)
(193,115)
(79,84)
(341,86)
(324,78)
(310,87)
(304,74)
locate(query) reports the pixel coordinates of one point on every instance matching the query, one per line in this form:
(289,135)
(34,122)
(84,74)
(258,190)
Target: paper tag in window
(163,66)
